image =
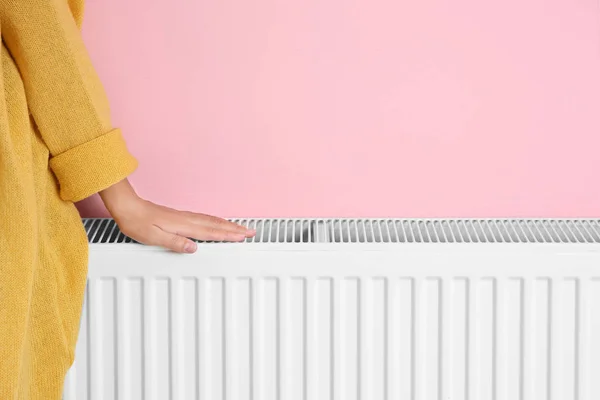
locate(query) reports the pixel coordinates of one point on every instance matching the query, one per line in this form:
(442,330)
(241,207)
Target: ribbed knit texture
(57,145)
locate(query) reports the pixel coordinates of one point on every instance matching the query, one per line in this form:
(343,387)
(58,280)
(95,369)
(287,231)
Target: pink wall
(356,108)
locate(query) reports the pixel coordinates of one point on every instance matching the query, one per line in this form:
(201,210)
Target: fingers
(221,224)
(210,233)
(171,241)
(176,238)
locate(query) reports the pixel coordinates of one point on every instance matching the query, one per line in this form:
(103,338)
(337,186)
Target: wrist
(119,198)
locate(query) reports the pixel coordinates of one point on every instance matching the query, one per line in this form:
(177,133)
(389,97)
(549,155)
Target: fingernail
(251,232)
(190,247)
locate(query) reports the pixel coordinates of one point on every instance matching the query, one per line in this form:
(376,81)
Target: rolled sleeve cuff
(93,166)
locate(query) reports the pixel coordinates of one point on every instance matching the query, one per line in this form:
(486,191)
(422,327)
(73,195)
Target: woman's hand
(151,224)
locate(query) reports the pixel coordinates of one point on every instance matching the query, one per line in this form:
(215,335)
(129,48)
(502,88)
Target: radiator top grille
(393,230)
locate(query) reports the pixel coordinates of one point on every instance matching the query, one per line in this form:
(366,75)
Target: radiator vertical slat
(105,351)
(418,373)
(564,369)
(239,350)
(486,338)
(503,342)
(458,329)
(96,341)
(202,325)
(576,313)
(577,339)
(310,332)
(472,348)
(292,335)
(365,338)
(593,350)
(583,340)
(520,361)
(303,338)
(510,339)
(215,344)
(528,331)
(405,338)
(132,336)
(556,384)
(177,308)
(337,341)
(351,333)
(429,348)
(188,337)
(283,334)
(111,333)
(257,333)
(162,335)
(233,329)
(150,377)
(446,337)
(356,296)
(385,342)
(231,380)
(270,345)
(392,355)
(123,332)
(438,320)
(376,338)
(322,337)
(541,333)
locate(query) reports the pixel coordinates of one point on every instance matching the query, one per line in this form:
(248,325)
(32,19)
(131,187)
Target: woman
(57,146)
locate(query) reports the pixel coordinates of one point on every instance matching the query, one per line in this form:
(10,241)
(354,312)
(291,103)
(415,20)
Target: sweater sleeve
(65,96)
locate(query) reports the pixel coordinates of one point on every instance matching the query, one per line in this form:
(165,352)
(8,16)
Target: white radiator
(345,310)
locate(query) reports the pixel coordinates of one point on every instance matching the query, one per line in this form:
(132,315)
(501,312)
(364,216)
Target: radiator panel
(443,321)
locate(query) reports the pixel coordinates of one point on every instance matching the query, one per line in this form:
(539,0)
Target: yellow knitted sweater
(57,146)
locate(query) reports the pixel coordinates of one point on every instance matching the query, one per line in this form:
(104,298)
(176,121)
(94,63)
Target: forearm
(119,198)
